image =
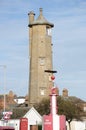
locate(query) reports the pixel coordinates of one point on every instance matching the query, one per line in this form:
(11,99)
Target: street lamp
(4,68)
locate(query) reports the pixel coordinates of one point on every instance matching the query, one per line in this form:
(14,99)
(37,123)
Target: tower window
(42,91)
(42,60)
(48,31)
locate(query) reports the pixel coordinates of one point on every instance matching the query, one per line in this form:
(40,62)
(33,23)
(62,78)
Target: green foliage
(65,107)
(18,113)
(68,108)
(43,107)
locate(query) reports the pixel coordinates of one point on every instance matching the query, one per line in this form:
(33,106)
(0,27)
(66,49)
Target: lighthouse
(40,56)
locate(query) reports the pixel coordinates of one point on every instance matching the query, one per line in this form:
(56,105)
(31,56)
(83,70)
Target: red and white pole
(53,103)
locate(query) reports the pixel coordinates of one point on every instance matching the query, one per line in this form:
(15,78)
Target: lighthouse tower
(40,56)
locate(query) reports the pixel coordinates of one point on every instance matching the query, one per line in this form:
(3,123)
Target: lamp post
(4,68)
(51,72)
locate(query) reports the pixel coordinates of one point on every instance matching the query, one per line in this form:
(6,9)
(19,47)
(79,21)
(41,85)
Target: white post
(4,87)
(4,67)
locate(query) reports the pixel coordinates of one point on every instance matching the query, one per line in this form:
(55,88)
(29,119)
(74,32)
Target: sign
(6,115)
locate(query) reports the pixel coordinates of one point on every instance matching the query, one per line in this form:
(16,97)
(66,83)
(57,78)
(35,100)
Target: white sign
(7,115)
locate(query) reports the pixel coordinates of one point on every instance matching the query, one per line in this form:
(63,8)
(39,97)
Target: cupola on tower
(40,54)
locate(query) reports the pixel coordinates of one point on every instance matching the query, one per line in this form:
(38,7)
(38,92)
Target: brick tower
(40,54)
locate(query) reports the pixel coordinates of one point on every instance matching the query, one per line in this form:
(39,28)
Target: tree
(69,109)
(1,104)
(19,112)
(43,107)
(65,107)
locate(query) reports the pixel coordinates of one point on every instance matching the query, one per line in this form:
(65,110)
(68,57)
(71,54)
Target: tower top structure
(40,20)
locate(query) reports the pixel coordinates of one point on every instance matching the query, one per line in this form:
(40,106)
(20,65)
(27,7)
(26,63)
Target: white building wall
(12,122)
(76,125)
(33,117)
(67,126)
(20,100)
(79,125)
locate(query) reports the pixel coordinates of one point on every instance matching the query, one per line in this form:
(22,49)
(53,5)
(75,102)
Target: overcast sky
(68,38)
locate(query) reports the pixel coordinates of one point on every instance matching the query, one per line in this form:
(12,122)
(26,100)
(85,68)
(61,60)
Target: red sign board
(47,122)
(62,122)
(23,124)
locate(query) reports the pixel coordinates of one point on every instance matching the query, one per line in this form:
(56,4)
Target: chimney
(65,92)
(41,10)
(31,16)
